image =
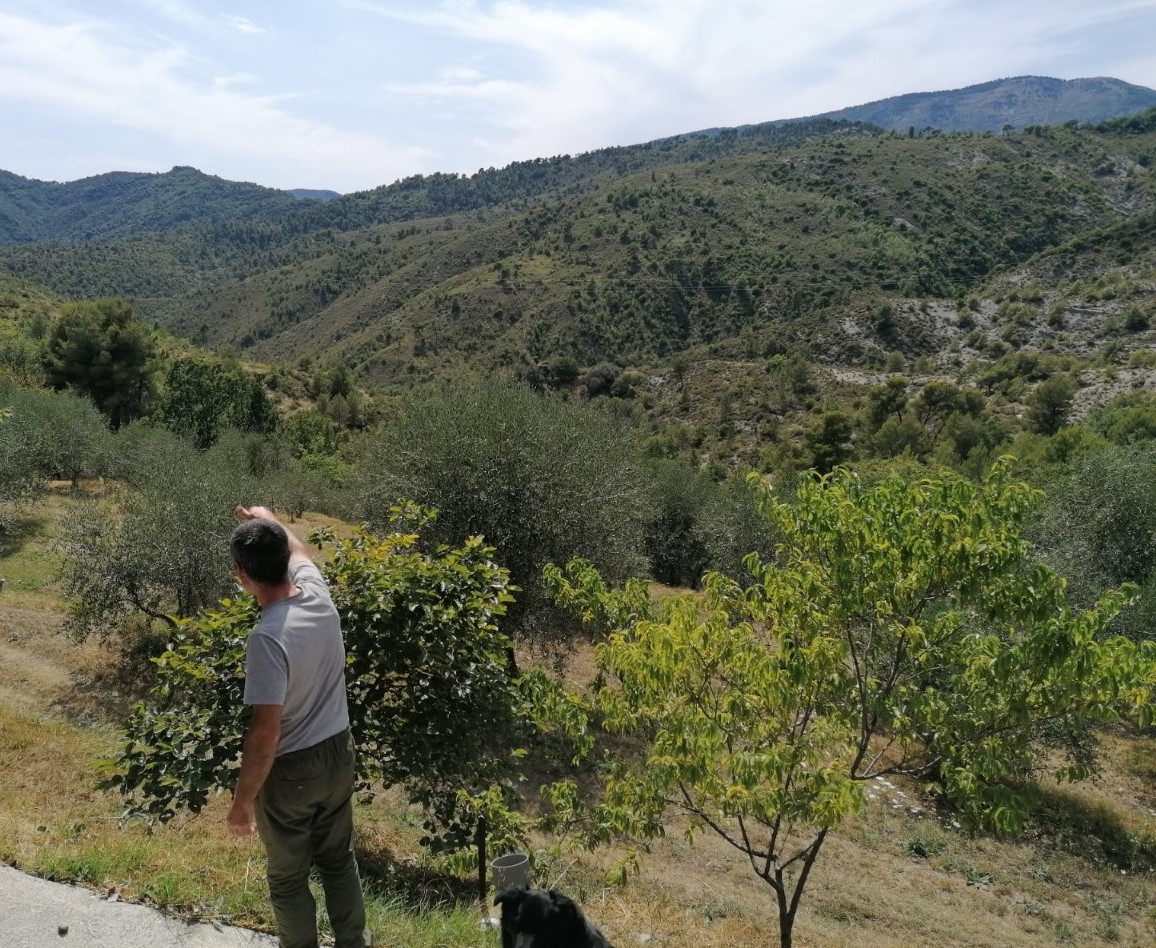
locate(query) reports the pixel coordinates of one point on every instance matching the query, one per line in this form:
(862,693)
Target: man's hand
(257,757)
(242,820)
(254,513)
(297,549)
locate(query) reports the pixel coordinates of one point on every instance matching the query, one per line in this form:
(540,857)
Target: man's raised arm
(297,549)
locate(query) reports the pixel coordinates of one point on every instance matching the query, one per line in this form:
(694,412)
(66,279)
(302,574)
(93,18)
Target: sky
(348,95)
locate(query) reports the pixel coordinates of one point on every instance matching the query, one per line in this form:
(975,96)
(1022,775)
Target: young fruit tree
(432,708)
(900,628)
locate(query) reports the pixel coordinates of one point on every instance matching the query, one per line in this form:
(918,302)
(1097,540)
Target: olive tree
(1097,526)
(47,435)
(157,547)
(541,479)
(64,435)
(899,628)
(18,479)
(696,525)
(680,495)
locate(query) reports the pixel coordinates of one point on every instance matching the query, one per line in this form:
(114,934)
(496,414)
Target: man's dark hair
(261,548)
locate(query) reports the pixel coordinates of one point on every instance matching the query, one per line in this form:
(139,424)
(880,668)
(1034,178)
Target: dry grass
(1080,875)
(55,823)
(870,889)
(28,560)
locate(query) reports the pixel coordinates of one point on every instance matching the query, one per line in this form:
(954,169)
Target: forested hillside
(123,204)
(228,244)
(631,255)
(780,247)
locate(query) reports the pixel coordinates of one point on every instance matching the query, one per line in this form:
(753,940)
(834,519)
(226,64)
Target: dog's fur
(543,918)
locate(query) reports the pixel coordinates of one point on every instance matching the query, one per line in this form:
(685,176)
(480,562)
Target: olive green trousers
(305,819)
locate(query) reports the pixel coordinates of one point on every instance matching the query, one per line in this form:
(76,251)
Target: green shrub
(432,707)
(925,843)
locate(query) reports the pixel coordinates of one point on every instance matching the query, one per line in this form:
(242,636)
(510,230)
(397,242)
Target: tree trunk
(786,914)
(788,907)
(786,925)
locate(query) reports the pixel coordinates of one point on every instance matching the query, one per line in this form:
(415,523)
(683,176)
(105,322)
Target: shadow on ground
(1091,830)
(16,532)
(413,886)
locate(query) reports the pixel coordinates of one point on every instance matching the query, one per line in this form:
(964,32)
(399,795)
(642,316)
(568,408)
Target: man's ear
(242,577)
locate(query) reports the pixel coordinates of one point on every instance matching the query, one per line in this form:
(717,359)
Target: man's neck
(269,595)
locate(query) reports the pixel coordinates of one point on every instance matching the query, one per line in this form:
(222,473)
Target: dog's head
(539,918)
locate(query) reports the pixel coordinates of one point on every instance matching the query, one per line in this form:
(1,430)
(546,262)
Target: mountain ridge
(776,247)
(779,236)
(1018,101)
(33,211)
(947,110)
(120,204)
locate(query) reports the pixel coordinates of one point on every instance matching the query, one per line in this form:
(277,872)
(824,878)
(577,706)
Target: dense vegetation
(597,357)
(631,255)
(897,628)
(121,204)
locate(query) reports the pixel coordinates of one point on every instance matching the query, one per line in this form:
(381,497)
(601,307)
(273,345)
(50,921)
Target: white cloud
(242,24)
(191,16)
(594,74)
(642,69)
(241,78)
(72,70)
(462,74)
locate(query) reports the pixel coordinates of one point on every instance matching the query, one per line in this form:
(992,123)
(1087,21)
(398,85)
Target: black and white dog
(543,918)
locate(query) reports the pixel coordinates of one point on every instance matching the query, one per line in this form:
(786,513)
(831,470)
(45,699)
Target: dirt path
(36,667)
(42,670)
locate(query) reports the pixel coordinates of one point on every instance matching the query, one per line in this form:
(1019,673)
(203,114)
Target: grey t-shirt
(295,657)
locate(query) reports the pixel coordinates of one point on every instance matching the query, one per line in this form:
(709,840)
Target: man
(296,779)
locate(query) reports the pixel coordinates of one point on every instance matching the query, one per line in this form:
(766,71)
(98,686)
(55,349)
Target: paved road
(33,913)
